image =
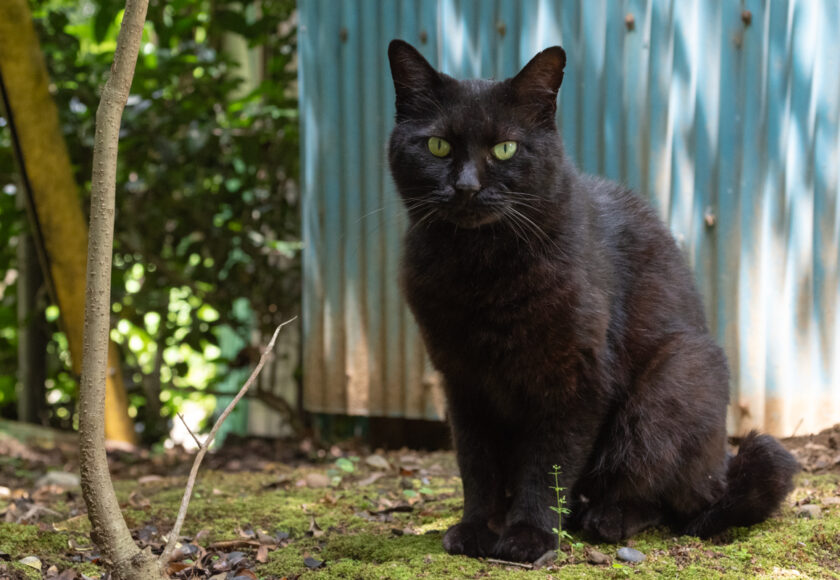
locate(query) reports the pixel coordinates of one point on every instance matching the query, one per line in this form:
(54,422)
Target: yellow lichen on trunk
(55,194)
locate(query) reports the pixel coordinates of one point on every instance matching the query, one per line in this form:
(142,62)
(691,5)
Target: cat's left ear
(541,78)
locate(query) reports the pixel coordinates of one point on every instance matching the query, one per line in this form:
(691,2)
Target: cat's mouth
(471,216)
(471,220)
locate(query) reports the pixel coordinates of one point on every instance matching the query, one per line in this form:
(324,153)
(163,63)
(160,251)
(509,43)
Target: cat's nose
(467,183)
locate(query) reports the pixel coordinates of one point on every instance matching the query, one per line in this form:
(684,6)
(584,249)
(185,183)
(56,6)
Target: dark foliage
(207,240)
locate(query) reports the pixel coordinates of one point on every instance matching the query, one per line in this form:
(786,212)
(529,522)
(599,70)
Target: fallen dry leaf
(378,462)
(370,479)
(138,501)
(314,529)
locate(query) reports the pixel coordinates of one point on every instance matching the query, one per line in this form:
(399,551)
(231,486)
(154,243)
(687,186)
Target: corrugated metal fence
(724,113)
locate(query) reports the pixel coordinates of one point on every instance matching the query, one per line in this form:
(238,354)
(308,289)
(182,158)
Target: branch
(187,427)
(272,401)
(185,502)
(108,528)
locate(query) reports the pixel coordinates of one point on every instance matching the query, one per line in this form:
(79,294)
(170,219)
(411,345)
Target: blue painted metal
(725,114)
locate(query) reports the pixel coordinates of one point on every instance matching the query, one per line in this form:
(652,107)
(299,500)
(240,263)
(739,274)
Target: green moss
(781,546)
(20,541)
(379,548)
(356,544)
(16,570)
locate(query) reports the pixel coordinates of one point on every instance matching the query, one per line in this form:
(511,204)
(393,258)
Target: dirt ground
(287,509)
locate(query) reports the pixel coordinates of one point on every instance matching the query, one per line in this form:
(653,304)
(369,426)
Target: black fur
(566,325)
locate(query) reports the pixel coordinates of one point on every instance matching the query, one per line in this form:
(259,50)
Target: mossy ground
(362,537)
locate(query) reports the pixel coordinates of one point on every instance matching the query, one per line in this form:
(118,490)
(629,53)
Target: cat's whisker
(520,228)
(514,226)
(534,227)
(523,194)
(425,218)
(370,213)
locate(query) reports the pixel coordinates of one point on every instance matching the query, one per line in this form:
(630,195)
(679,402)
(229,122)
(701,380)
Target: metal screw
(710,218)
(746,17)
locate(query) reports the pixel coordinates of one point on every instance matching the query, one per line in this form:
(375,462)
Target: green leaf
(233,22)
(345,464)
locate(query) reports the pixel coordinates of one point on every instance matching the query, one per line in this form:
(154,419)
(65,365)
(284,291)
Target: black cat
(566,325)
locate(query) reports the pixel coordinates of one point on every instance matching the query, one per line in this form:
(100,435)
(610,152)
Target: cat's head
(474,152)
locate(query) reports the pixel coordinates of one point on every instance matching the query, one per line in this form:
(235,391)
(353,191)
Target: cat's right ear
(415,80)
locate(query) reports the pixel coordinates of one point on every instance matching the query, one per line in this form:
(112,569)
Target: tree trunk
(108,527)
(57,219)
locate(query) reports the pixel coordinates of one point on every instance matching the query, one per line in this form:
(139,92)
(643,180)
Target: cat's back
(651,275)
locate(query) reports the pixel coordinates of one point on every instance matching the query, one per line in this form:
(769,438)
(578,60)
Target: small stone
(809,511)
(312,563)
(378,462)
(831,500)
(61,479)
(630,555)
(548,558)
(595,557)
(317,480)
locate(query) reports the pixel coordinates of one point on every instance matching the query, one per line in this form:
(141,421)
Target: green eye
(439,147)
(504,150)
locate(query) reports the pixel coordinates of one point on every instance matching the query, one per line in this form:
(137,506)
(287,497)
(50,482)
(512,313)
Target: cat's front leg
(477,449)
(530,520)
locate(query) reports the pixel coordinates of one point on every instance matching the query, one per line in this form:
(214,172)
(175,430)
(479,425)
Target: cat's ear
(540,80)
(414,78)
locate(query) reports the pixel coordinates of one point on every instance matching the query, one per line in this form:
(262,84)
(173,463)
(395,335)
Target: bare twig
(187,427)
(233,544)
(202,451)
(507,563)
(269,399)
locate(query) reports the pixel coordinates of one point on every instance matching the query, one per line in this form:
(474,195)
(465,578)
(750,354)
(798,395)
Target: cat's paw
(613,522)
(524,543)
(469,539)
(604,522)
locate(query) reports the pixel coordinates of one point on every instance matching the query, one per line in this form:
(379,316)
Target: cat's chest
(515,322)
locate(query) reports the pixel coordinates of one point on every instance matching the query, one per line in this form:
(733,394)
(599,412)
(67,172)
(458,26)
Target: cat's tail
(758,479)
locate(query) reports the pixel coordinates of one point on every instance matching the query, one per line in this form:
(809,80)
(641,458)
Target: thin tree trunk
(55,216)
(108,527)
(32,335)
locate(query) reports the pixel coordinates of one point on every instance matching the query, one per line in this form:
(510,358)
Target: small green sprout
(560,509)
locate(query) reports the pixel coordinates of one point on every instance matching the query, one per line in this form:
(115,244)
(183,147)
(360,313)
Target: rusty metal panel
(362,352)
(725,114)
